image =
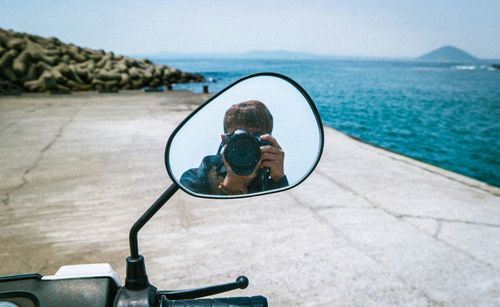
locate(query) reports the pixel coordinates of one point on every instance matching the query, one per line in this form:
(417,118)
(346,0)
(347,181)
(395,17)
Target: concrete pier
(368,227)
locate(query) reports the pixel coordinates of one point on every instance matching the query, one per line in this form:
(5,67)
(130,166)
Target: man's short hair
(249,114)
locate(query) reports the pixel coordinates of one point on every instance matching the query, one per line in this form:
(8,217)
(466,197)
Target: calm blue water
(443,114)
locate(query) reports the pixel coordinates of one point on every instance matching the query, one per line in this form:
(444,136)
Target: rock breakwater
(33,63)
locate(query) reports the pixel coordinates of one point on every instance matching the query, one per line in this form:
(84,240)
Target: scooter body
(72,285)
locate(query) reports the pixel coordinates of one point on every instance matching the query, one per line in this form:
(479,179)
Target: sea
(445,114)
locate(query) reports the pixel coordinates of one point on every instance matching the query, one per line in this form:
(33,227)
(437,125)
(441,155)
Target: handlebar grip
(249,301)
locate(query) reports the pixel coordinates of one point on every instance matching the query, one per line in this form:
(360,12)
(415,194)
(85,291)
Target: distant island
(445,54)
(448,54)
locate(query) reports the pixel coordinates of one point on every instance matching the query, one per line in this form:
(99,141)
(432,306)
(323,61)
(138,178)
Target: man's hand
(272,157)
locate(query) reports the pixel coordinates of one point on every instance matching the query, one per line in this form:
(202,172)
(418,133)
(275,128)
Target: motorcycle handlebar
(249,301)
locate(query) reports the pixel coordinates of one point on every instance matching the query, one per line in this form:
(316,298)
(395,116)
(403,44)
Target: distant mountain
(443,54)
(448,54)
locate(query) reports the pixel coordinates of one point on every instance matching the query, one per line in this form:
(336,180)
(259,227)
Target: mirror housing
(261,134)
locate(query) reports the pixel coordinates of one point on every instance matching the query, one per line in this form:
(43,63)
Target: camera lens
(242,152)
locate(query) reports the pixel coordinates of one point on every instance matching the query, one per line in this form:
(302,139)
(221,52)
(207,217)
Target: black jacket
(206,178)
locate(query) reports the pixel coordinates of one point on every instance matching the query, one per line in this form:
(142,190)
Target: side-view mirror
(262,134)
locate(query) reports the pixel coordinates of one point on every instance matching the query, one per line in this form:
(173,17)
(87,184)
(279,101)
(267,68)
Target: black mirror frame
(271,74)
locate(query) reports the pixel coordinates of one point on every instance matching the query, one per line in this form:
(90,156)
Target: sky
(384,28)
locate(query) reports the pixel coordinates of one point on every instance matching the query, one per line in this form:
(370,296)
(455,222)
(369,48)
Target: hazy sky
(385,28)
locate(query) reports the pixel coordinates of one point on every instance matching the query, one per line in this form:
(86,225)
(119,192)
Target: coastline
(369,227)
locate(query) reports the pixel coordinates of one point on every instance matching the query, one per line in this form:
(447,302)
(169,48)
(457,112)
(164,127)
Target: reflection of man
(249,159)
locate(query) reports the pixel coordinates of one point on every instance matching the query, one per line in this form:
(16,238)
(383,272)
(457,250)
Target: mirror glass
(261,134)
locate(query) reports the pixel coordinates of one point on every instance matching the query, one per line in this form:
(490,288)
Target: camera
(242,151)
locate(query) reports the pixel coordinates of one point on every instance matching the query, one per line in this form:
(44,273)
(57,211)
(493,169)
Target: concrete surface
(368,228)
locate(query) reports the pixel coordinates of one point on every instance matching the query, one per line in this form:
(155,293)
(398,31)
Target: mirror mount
(136,278)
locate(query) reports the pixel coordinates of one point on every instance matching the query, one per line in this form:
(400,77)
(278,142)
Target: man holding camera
(249,159)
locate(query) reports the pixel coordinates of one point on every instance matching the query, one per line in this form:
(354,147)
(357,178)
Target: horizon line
(275,54)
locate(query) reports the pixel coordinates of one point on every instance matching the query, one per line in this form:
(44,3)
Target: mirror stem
(136,278)
(134,247)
